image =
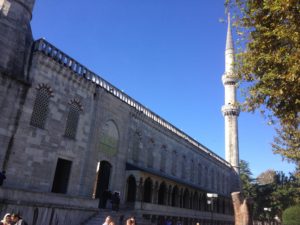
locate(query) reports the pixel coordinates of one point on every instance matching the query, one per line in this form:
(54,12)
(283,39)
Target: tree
(286,192)
(291,216)
(266,177)
(267,61)
(276,191)
(246,180)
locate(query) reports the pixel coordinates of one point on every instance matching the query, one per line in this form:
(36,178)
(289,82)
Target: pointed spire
(229,41)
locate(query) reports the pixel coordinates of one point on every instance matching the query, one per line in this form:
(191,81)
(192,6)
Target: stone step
(99,218)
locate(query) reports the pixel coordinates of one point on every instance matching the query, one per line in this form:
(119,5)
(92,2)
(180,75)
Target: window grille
(41,107)
(72,120)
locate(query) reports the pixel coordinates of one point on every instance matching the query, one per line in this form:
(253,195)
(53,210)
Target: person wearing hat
(6,219)
(17,220)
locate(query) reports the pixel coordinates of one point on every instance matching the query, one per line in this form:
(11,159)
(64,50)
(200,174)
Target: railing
(51,51)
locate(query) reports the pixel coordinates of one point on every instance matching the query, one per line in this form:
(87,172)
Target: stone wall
(13,94)
(46,208)
(111,127)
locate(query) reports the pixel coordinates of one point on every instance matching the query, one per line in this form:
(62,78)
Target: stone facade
(67,135)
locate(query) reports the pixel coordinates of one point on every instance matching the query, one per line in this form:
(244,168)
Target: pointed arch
(186,198)
(163,158)
(212,182)
(195,201)
(199,174)
(192,170)
(73,118)
(150,155)
(162,193)
(174,163)
(131,189)
(183,168)
(41,106)
(206,176)
(175,196)
(102,181)
(148,186)
(137,138)
(109,138)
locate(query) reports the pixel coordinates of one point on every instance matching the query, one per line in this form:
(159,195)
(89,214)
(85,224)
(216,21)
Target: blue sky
(166,54)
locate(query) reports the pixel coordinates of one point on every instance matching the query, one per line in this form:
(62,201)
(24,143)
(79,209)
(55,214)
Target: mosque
(67,136)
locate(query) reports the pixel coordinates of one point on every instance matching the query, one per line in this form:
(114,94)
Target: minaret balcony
(231,110)
(229,79)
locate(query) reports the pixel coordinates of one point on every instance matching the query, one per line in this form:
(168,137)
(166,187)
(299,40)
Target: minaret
(16,37)
(230,109)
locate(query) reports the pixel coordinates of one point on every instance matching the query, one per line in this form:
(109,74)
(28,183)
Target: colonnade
(162,192)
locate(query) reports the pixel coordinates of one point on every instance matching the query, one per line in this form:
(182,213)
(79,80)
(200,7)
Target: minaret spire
(230,109)
(229,41)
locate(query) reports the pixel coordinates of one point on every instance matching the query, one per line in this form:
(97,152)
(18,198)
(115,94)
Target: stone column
(242,209)
(16,37)
(140,190)
(155,193)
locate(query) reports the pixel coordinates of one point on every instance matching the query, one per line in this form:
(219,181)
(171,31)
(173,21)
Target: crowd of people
(110,221)
(12,219)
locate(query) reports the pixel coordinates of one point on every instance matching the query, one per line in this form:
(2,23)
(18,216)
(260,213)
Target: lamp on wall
(210,201)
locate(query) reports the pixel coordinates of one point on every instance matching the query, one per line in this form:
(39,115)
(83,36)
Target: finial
(229,41)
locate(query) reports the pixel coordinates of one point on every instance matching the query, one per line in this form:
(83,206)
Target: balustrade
(51,51)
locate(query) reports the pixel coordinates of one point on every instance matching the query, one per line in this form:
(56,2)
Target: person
(130,221)
(115,201)
(2,177)
(6,219)
(107,221)
(112,223)
(169,222)
(121,218)
(17,220)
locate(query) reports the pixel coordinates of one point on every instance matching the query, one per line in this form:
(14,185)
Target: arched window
(131,189)
(206,177)
(109,138)
(199,173)
(183,167)
(72,119)
(163,158)
(218,182)
(136,146)
(162,193)
(212,179)
(150,157)
(195,201)
(147,190)
(41,106)
(174,163)
(186,198)
(223,183)
(192,170)
(175,197)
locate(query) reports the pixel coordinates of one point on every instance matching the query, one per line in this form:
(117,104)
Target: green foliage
(273,190)
(266,177)
(276,192)
(267,62)
(291,216)
(246,179)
